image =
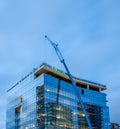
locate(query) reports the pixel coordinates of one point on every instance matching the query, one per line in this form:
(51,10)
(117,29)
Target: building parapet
(46,68)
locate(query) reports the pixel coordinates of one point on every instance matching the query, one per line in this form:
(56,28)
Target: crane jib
(71,78)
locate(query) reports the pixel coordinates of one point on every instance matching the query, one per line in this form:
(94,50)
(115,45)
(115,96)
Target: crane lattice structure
(55,46)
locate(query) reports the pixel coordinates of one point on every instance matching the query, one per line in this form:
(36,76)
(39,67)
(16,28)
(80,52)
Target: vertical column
(99,89)
(88,86)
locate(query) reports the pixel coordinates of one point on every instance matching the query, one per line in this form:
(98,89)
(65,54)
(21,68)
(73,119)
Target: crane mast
(71,79)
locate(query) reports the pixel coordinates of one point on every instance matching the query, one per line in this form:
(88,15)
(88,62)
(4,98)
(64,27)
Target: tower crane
(55,46)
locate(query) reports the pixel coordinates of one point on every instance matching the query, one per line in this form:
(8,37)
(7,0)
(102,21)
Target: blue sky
(88,32)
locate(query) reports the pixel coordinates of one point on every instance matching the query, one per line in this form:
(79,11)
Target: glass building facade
(45,99)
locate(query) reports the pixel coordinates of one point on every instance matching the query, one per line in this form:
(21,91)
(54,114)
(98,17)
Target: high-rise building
(45,99)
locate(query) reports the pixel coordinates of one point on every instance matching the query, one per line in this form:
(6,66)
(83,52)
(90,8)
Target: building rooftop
(46,68)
